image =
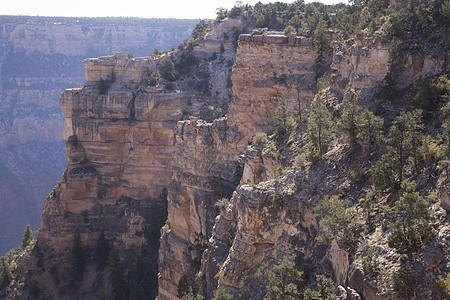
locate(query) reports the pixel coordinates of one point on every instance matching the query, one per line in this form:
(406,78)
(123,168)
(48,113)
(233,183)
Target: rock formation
(208,161)
(40,58)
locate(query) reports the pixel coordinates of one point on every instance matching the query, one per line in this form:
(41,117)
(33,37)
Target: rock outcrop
(363,64)
(123,150)
(208,164)
(40,58)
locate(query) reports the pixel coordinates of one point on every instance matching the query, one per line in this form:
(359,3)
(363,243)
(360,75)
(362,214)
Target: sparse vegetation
(320,127)
(282,280)
(381,169)
(27,236)
(323,290)
(410,224)
(341,218)
(402,157)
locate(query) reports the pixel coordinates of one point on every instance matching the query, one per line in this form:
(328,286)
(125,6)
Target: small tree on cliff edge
(320,127)
(322,45)
(77,259)
(27,237)
(281,119)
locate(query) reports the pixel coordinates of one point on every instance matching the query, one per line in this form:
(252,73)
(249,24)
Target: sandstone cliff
(123,152)
(208,164)
(40,58)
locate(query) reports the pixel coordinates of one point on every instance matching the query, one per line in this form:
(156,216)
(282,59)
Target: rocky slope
(40,58)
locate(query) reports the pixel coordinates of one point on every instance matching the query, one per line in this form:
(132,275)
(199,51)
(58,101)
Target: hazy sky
(194,9)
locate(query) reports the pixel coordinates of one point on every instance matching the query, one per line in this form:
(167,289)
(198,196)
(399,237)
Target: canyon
(150,166)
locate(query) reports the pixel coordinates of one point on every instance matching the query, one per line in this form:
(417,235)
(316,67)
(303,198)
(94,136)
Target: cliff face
(123,153)
(268,67)
(40,58)
(364,63)
(207,162)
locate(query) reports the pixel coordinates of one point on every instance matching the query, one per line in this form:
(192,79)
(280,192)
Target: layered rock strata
(39,58)
(116,144)
(274,218)
(208,165)
(364,63)
(121,149)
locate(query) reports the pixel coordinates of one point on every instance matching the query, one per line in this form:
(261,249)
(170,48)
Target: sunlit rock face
(40,58)
(251,230)
(207,160)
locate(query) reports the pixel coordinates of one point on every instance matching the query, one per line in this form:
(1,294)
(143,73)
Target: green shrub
(277,202)
(283,280)
(290,29)
(171,86)
(168,69)
(320,127)
(369,261)
(260,139)
(431,92)
(218,112)
(323,290)
(222,203)
(441,287)
(200,30)
(411,228)
(342,219)
(222,294)
(229,238)
(407,283)
(153,79)
(5,273)
(301,160)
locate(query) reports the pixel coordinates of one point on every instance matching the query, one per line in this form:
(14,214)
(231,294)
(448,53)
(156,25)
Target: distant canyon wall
(40,58)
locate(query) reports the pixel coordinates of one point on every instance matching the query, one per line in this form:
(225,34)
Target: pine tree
(411,227)
(323,291)
(403,145)
(116,276)
(27,237)
(222,294)
(369,129)
(320,127)
(282,280)
(322,44)
(348,120)
(101,250)
(281,119)
(340,217)
(6,274)
(77,258)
